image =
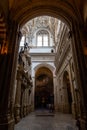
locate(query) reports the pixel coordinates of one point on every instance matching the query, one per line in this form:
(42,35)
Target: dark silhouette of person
(51,103)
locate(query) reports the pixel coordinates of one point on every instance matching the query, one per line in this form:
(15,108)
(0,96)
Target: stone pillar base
(21,112)
(74,110)
(27,109)
(24,111)
(56,108)
(83,123)
(65,108)
(17,114)
(31,108)
(6,123)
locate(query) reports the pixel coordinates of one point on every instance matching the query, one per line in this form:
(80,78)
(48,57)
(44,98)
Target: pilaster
(33,94)
(18,96)
(72,91)
(7,71)
(65,105)
(55,93)
(80,70)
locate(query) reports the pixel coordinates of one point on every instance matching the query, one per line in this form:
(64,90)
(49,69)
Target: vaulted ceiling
(51,24)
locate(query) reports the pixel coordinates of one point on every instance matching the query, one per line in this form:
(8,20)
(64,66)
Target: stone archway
(27,13)
(44,88)
(67,93)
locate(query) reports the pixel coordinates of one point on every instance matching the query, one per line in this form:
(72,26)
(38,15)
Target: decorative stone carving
(24,84)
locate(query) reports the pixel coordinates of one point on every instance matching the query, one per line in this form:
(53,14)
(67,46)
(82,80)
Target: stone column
(22,103)
(65,99)
(7,71)
(33,93)
(25,102)
(60,94)
(72,91)
(55,93)
(79,38)
(30,100)
(18,97)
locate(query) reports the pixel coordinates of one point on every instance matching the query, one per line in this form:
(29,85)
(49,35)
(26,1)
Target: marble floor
(43,120)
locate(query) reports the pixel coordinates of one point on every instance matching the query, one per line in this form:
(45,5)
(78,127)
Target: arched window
(42,38)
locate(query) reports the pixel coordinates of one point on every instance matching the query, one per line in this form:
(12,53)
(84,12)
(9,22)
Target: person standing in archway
(51,103)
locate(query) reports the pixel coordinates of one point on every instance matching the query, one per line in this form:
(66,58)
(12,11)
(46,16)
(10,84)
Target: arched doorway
(67,92)
(43,88)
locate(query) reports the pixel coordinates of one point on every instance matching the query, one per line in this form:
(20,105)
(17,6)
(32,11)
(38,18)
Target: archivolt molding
(28,11)
(50,67)
(44,12)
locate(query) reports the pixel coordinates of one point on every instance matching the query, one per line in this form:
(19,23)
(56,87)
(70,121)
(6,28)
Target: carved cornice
(24,77)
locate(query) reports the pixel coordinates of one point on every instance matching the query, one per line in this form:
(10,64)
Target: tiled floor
(43,120)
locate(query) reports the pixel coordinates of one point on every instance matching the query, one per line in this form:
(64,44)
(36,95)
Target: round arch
(59,9)
(49,12)
(50,67)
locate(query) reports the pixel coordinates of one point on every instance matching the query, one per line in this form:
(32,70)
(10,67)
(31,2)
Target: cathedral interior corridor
(43,65)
